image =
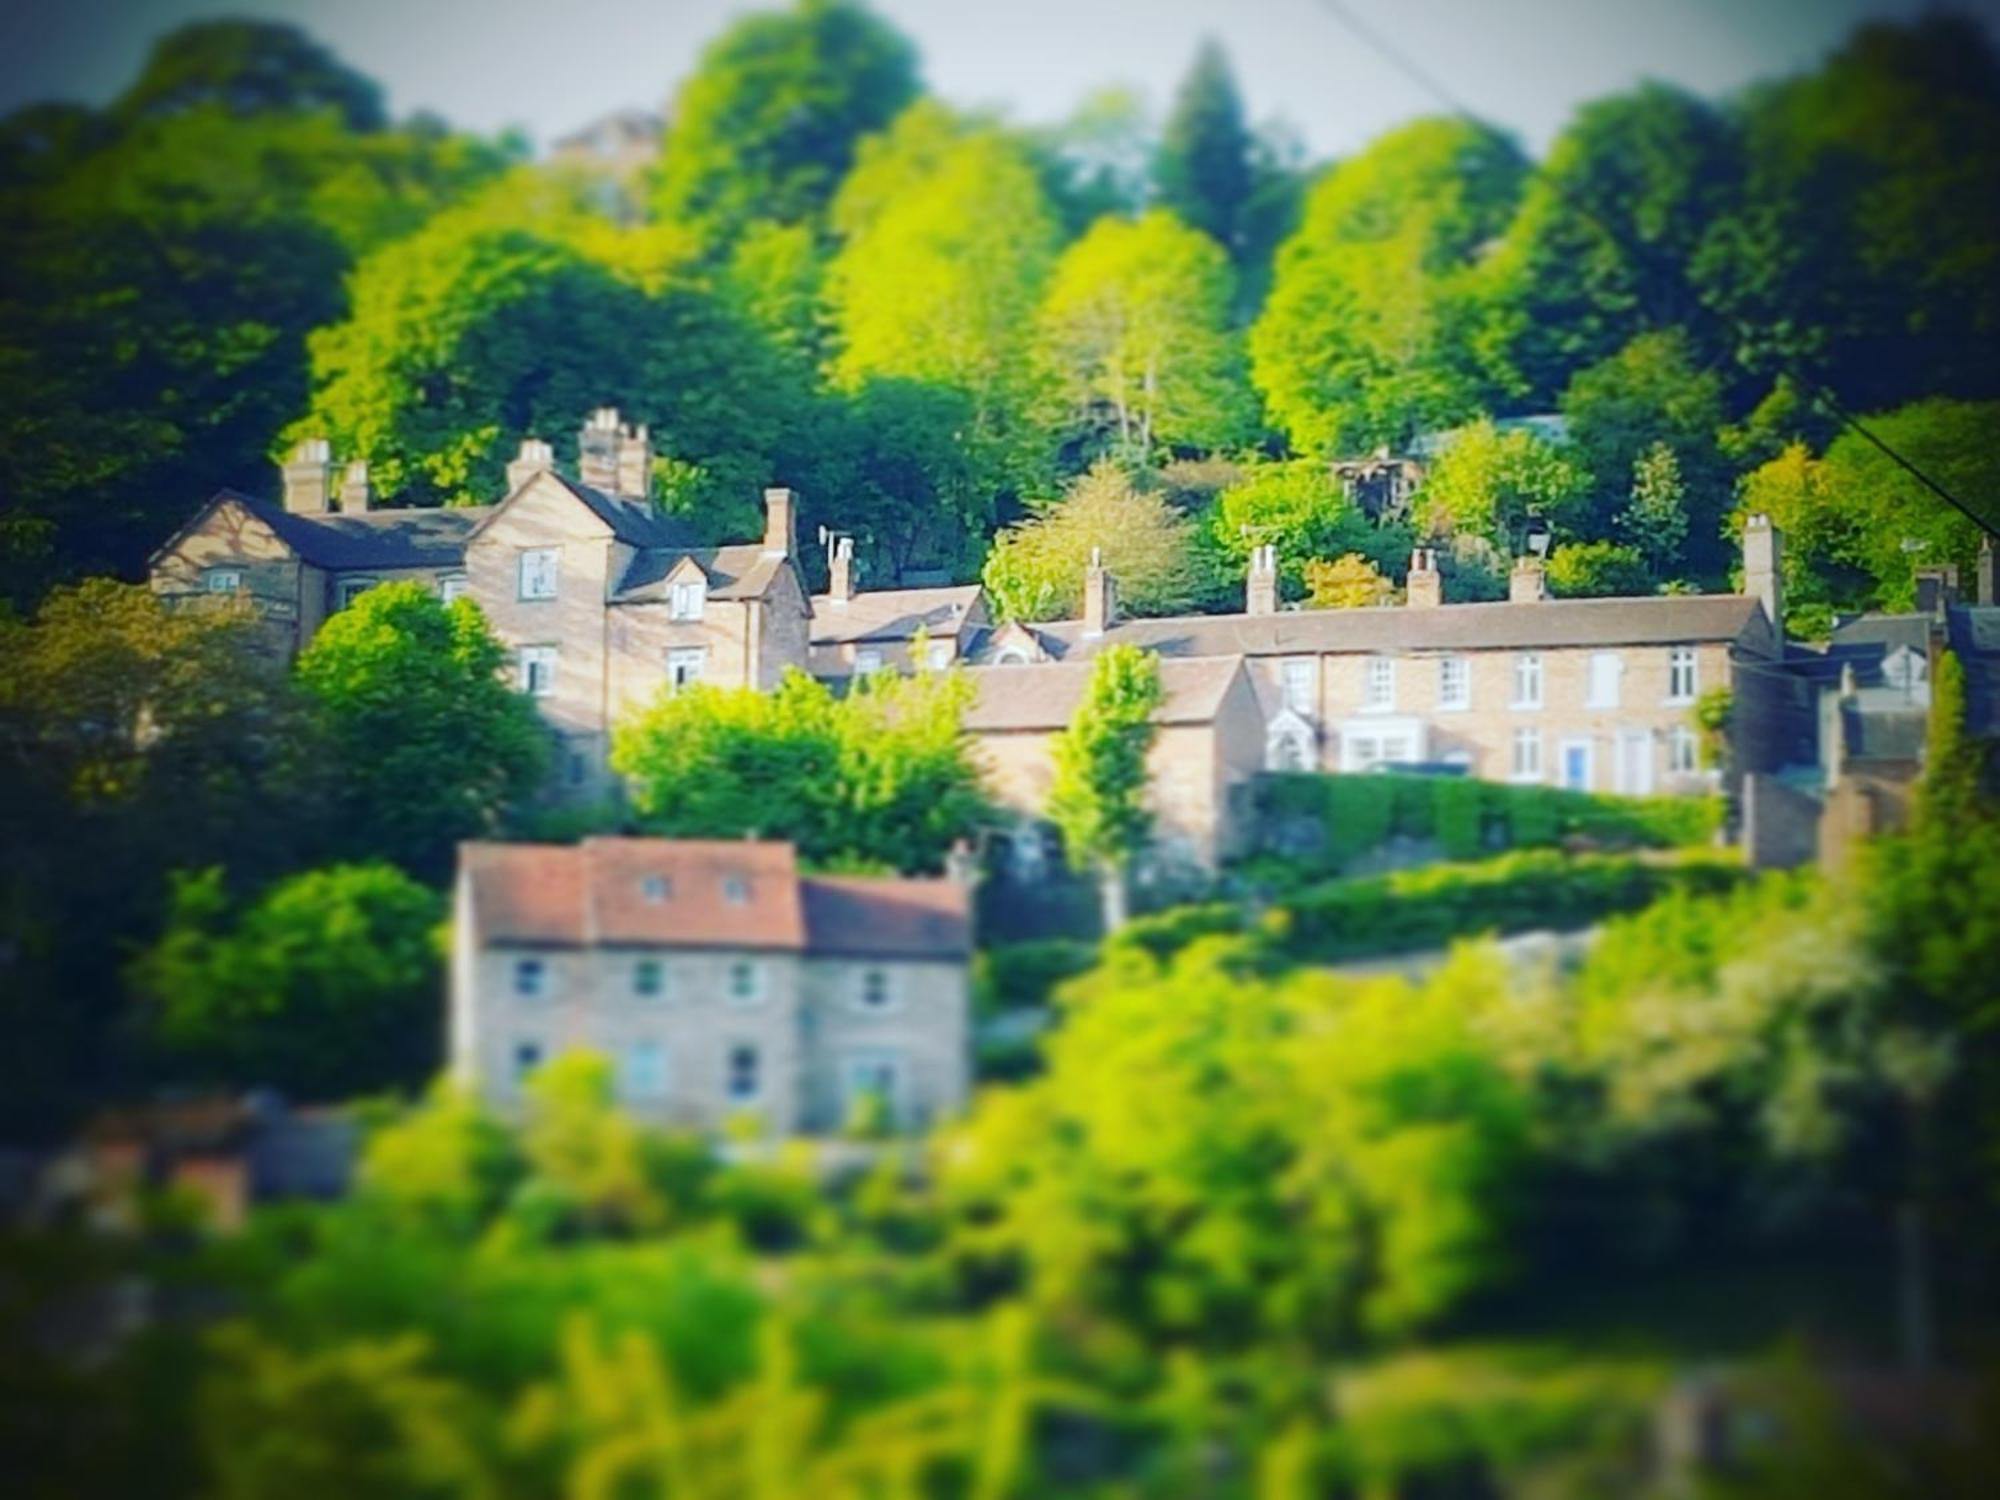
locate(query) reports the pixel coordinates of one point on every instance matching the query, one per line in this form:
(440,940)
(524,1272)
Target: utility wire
(1372,39)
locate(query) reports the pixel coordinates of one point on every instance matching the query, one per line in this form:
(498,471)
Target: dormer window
(736,890)
(656,888)
(1905,669)
(867,662)
(687,599)
(223,580)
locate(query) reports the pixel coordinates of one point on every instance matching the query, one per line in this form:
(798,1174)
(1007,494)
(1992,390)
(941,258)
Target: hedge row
(1413,910)
(1013,976)
(1350,815)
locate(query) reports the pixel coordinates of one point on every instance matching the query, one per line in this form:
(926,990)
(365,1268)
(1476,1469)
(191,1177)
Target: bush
(1019,976)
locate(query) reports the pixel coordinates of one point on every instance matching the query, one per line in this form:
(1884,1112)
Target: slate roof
(892,614)
(403,537)
(1045,695)
(741,571)
(1548,623)
(702,893)
(1893,734)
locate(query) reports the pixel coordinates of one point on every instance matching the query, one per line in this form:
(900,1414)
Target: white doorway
(1635,763)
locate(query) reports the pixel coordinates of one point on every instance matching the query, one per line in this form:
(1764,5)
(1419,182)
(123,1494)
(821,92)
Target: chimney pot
(781,522)
(357,495)
(1260,591)
(840,584)
(1425,585)
(535,457)
(1764,569)
(598,449)
(1100,595)
(308,476)
(1529,582)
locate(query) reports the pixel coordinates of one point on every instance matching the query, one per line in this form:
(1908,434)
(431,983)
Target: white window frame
(1606,669)
(350,589)
(1518,769)
(525,988)
(743,981)
(687,599)
(651,1083)
(1448,700)
(223,580)
(686,665)
(649,978)
(876,992)
(1299,683)
(730,1054)
(1378,685)
(538,573)
(1683,661)
(1289,745)
(538,665)
(1683,745)
(938,655)
(1529,680)
(867,661)
(452,587)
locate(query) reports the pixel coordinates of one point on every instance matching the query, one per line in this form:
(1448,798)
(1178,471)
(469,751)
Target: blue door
(1576,767)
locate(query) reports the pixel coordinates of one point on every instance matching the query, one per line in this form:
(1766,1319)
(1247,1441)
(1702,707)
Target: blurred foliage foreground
(1253,1231)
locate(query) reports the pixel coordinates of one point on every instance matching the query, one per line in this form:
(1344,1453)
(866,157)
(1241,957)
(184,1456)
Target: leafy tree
(1298,508)
(1350,581)
(1366,336)
(1035,570)
(878,778)
(1487,482)
(429,744)
(907,487)
(1100,158)
(766,125)
(325,986)
(1097,798)
(1591,570)
(947,241)
(1656,521)
(1133,340)
(1203,169)
(248,68)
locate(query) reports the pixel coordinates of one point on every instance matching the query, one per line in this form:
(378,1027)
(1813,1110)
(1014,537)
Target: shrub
(1020,976)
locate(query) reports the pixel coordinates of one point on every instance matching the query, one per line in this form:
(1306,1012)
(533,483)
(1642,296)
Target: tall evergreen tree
(1202,171)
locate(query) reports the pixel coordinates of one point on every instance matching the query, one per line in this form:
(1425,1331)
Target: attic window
(656,888)
(224,580)
(687,598)
(735,890)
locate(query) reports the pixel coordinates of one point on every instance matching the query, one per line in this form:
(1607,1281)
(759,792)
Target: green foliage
(1296,507)
(1593,570)
(1018,976)
(1486,482)
(1097,794)
(431,746)
(1366,337)
(1657,520)
(1036,568)
(1203,171)
(766,125)
(248,68)
(325,986)
(880,777)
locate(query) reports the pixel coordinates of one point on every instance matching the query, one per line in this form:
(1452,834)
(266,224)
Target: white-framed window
(1528,680)
(1288,746)
(1527,755)
(685,664)
(1606,668)
(649,978)
(1905,669)
(735,890)
(451,587)
(351,589)
(538,670)
(746,981)
(743,1069)
(1378,687)
(531,978)
(867,662)
(645,1070)
(1682,678)
(1300,676)
(223,580)
(1454,682)
(687,599)
(1683,751)
(937,655)
(655,889)
(1013,656)
(875,990)
(537,572)
(527,1058)
(1364,751)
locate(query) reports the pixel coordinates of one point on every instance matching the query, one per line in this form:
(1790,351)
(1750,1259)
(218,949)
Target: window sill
(1525,708)
(1377,708)
(1677,702)
(1455,708)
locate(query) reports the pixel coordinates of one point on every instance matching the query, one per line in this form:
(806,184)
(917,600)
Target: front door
(1635,763)
(1576,765)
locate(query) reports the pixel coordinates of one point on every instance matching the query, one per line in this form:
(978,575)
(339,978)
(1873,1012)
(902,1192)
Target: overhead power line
(1818,390)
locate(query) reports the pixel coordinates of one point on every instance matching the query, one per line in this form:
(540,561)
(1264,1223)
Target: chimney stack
(1529,582)
(635,465)
(1764,569)
(781,522)
(1100,595)
(840,583)
(535,457)
(1983,594)
(597,450)
(1260,593)
(357,495)
(1937,588)
(309,477)
(1425,586)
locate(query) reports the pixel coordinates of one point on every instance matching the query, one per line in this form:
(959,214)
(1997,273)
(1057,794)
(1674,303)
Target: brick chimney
(781,522)
(1425,585)
(357,495)
(1529,582)
(635,465)
(1100,595)
(535,457)
(1983,594)
(1764,569)
(309,477)
(1937,587)
(1260,589)
(840,582)
(597,450)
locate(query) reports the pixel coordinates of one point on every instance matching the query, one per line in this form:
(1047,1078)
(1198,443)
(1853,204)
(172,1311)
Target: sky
(549,66)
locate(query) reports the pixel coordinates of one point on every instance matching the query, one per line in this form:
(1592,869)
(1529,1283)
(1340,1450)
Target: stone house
(855,633)
(719,980)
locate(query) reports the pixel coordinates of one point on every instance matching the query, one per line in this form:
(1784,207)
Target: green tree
(1592,570)
(1350,581)
(879,778)
(1133,342)
(1301,510)
(766,125)
(1486,482)
(1656,520)
(1097,797)
(1367,336)
(427,744)
(1100,158)
(326,985)
(1202,171)
(1036,568)
(248,68)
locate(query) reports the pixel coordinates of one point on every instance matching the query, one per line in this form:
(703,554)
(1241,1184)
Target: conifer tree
(1202,171)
